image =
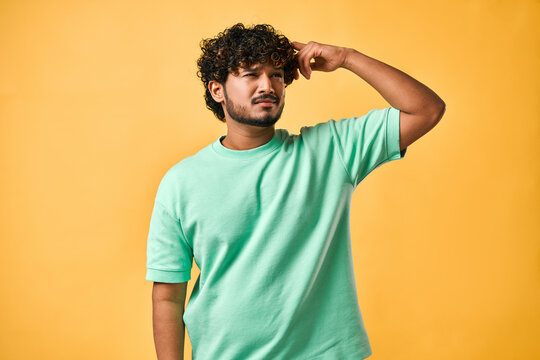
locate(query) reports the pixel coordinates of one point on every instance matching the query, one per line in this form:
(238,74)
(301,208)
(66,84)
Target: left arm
(420,108)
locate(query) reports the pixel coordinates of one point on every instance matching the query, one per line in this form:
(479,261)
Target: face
(245,93)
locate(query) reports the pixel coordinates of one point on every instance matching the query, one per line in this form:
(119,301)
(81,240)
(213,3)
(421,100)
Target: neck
(245,137)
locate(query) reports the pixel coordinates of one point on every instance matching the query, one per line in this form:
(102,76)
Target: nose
(265,84)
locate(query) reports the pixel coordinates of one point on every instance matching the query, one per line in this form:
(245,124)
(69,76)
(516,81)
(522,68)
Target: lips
(265,101)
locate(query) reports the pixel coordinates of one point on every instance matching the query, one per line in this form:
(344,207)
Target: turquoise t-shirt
(269,230)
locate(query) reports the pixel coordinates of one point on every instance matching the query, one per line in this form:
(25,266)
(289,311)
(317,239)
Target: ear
(216,90)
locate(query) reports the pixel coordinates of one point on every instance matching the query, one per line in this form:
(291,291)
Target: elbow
(443,110)
(439,111)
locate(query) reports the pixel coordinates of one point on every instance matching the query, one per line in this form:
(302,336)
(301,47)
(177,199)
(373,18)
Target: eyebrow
(259,67)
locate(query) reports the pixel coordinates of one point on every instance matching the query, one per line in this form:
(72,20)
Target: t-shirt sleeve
(366,142)
(169,256)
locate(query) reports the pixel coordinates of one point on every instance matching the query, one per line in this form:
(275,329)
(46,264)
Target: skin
(168,301)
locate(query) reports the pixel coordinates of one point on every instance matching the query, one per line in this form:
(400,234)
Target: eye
(279,75)
(250,75)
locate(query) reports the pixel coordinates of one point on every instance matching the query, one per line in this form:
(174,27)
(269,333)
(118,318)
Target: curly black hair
(241,46)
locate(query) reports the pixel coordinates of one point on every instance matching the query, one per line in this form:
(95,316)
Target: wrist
(346,64)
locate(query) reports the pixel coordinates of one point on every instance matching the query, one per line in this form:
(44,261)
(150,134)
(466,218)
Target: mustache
(273,99)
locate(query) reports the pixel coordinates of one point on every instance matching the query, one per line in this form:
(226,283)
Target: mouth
(266,103)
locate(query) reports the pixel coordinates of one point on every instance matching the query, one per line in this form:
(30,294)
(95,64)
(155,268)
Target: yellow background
(99,98)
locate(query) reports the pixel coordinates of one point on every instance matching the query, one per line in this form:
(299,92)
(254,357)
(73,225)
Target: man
(265,213)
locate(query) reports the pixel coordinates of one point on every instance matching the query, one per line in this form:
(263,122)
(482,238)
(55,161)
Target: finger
(311,54)
(299,67)
(317,60)
(306,60)
(296,74)
(301,61)
(298,45)
(297,57)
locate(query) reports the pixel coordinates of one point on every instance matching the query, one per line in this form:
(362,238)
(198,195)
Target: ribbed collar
(264,149)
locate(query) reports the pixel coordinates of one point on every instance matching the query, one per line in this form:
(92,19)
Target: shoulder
(181,173)
(320,132)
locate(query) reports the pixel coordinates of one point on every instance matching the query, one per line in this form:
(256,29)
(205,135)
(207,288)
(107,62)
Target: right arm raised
(168,301)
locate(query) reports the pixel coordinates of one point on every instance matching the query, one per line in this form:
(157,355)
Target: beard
(240,114)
